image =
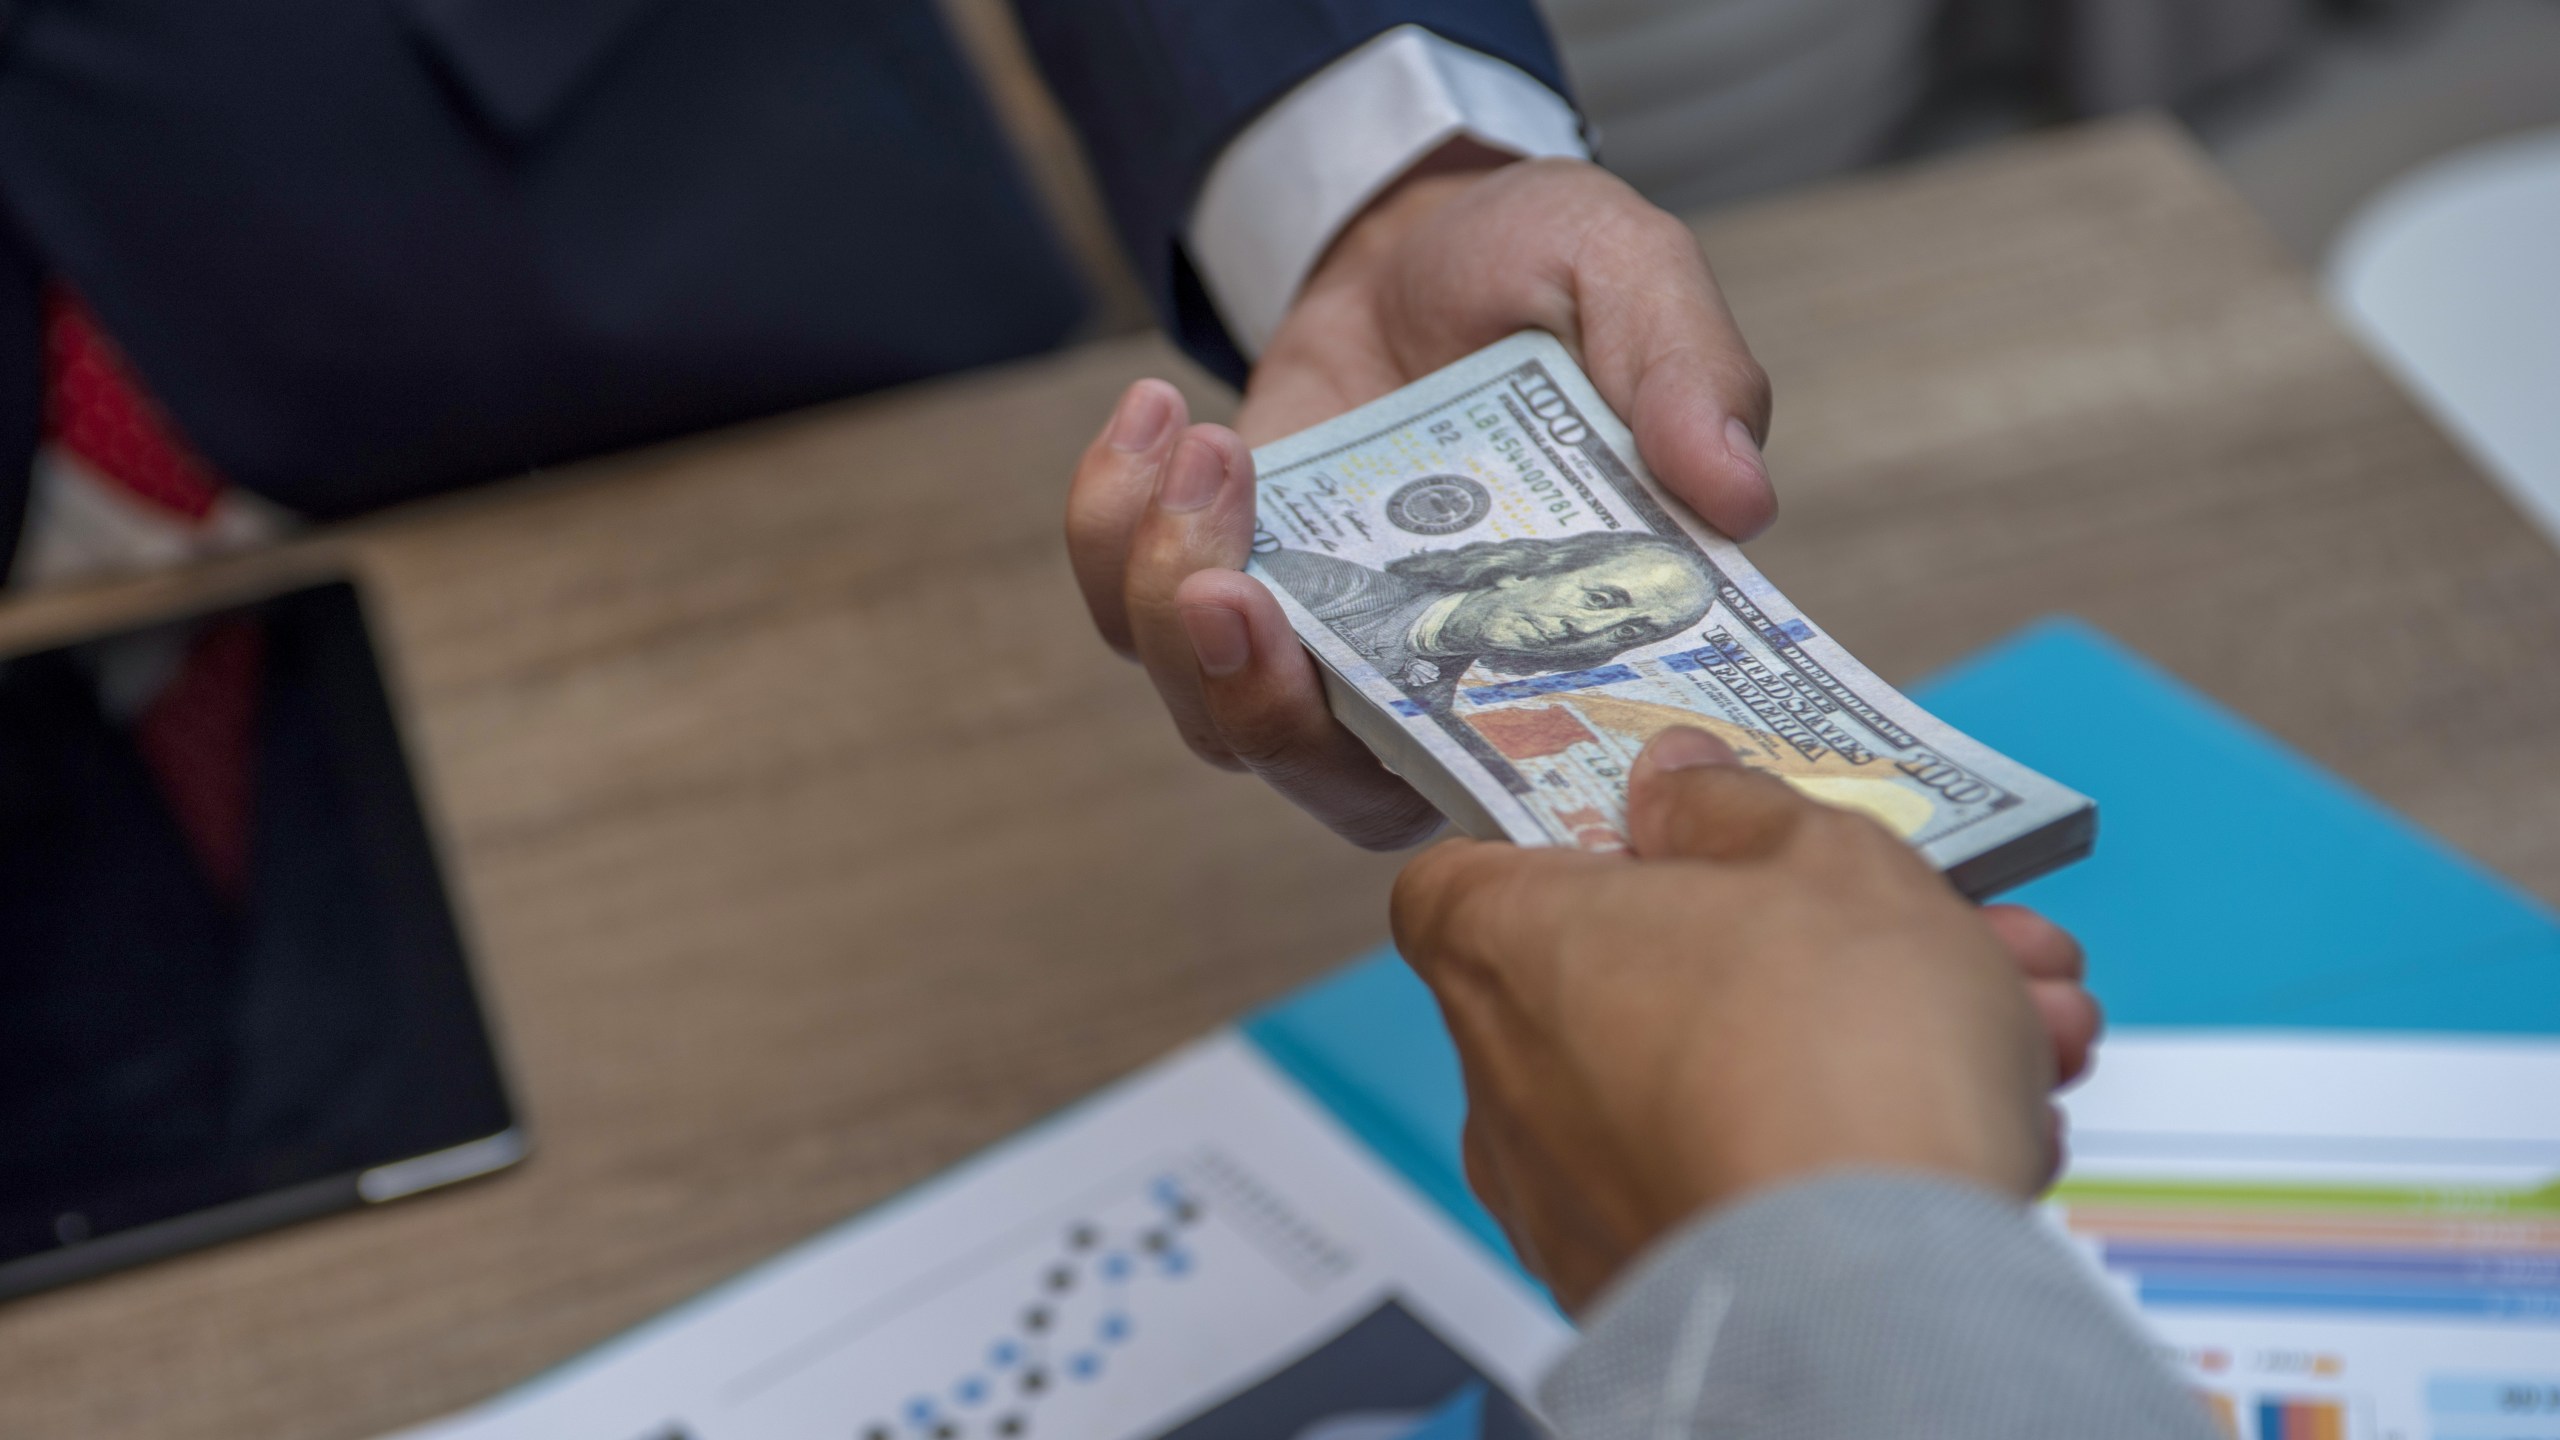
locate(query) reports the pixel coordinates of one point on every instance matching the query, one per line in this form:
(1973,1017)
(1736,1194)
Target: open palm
(1465,250)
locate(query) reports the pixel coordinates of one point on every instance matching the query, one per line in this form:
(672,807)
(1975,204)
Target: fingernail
(1746,516)
(1218,639)
(1737,438)
(1192,476)
(1141,419)
(1685,747)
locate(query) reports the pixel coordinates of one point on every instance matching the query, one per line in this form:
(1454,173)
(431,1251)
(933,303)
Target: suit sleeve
(21,388)
(1863,1305)
(1158,87)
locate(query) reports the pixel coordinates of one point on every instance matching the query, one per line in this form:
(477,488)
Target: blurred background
(2407,151)
(2312,106)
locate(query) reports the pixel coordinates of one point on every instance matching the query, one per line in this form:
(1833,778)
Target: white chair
(2452,276)
(1699,101)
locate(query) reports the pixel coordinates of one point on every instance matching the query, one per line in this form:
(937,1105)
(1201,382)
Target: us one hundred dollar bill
(1507,606)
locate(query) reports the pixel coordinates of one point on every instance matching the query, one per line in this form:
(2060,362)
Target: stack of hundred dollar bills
(1507,606)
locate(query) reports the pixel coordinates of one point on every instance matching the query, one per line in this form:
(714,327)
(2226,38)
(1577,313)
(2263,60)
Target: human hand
(1774,989)
(1464,251)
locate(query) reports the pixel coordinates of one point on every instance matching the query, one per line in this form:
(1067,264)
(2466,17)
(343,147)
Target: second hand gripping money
(1507,606)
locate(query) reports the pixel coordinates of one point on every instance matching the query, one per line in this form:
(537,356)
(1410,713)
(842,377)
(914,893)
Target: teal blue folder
(2235,884)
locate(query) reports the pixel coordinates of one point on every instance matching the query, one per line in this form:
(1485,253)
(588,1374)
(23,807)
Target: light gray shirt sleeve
(1866,1304)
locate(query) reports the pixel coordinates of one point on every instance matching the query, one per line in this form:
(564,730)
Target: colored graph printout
(2335,1237)
(1127,1271)
(2302,1420)
(2349,1174)
(2269,1375)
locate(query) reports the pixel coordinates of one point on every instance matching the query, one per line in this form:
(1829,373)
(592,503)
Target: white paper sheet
(1167,1245)
(2394,1338)
(2243,1105)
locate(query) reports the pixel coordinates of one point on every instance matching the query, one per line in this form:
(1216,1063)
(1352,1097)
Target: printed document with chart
(1200,1252)
(2333,1236)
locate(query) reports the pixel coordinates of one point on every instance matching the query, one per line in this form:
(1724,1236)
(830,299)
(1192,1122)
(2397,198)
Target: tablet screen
(231,988)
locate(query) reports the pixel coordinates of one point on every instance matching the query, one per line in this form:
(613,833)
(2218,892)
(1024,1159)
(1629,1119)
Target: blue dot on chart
(1168,1191)
(1084,1365)
(1003,1354)
(1114,1328)
(970,1391)
(1175,1262)
(1115,1266)
(920,1410)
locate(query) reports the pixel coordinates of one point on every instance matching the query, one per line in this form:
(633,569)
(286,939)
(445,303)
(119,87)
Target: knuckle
(1208,749)
(1147,597)
(1729,813)
(2052,952)
(1426,894)
(1427,879)
(1154,566)
(1500,918)
(1272,746)
(1387,819)
(1663,230)
(1469,910)
(1752,391)
(1632,219)
(1317,764)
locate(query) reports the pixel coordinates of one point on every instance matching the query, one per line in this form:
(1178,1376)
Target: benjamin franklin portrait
(1520,607)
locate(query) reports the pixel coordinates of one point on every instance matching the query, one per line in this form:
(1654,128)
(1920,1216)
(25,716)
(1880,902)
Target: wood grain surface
(811,842)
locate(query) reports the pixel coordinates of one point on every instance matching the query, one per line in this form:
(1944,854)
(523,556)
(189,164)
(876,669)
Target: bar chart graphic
(2303,1419)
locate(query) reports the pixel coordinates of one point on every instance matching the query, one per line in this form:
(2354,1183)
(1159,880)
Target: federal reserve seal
(1438,505)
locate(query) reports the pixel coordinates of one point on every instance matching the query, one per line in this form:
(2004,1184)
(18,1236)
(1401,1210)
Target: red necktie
(95,407)
(197,735)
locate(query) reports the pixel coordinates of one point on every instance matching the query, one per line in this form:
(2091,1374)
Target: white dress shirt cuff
(1299,173)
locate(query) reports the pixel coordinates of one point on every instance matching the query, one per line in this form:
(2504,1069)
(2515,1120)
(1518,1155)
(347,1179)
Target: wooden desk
(813,843)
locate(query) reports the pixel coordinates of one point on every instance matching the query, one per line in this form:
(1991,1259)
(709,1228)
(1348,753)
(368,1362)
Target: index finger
(1477,906)
(1664,351)
(2044,950)
(1108,497)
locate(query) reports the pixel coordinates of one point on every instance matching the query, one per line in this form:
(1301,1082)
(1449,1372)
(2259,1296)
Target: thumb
(1689,798)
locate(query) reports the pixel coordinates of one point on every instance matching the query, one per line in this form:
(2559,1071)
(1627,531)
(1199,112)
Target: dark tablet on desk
(232,990)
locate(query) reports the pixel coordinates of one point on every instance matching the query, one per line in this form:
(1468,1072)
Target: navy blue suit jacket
(365,250)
